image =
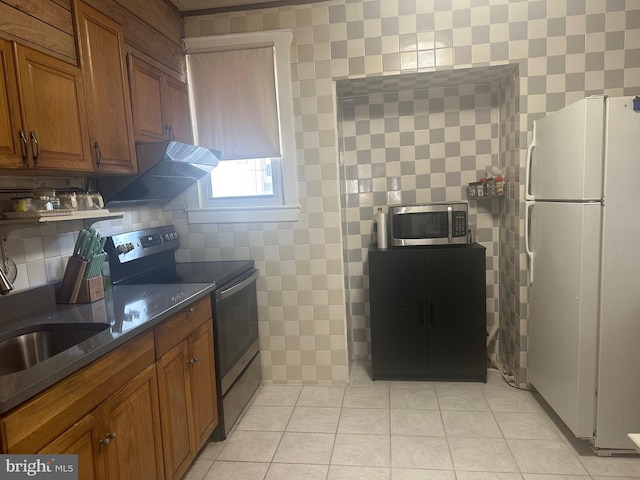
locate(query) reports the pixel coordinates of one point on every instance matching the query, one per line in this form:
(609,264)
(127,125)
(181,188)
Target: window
(241,104)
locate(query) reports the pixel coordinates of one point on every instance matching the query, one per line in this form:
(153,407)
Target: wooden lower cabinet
(120,439)
(136,453)
(82,439)
(175,402)
(203,384)
(141,412)
(186,382)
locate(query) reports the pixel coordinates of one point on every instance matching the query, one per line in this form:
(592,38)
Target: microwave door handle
(450,221)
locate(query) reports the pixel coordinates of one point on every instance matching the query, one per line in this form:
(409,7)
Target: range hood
(165,169)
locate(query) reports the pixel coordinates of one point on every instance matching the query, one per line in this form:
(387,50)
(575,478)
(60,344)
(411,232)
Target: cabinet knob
(190,310)
(192,360)
(107,439)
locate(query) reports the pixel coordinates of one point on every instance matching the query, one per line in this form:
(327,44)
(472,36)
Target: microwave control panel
(459,224)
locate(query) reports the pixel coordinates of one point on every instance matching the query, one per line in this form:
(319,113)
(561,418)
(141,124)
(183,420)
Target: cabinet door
(13,152)
(456,313)
(52,96)
(103,64)
(82,439)
(175,407)
(131,417)
(398,329)
(146,100)
(175,108)
(203,383)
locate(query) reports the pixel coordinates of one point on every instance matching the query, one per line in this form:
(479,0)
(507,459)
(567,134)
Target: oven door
(236,328)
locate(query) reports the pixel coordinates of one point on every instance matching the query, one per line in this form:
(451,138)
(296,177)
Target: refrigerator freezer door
(618,411)
(565,158)
(563,320)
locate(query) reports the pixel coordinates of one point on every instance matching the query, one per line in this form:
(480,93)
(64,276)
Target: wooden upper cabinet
(160,104)
(12,154)
(103,64)
(43,123)
(146,99)
(53,112)
(175,110)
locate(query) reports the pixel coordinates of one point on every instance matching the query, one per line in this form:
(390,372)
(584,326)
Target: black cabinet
(428,313)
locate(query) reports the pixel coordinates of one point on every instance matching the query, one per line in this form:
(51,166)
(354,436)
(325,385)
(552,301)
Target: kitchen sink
(37,343)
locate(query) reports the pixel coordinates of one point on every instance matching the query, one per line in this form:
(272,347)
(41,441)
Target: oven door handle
(450,222)
(232,290)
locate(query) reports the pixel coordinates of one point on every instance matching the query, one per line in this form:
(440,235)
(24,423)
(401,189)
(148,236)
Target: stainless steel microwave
(429,224)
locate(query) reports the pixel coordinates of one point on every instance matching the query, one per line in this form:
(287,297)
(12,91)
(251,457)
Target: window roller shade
(234,98)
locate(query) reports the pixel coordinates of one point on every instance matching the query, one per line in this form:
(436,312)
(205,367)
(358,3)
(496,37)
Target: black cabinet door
(398,322)
(456,308)
(428,313)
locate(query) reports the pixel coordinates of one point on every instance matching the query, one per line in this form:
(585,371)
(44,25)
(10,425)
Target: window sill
(284,213)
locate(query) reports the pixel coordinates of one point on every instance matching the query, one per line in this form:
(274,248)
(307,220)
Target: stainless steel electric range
(148,257)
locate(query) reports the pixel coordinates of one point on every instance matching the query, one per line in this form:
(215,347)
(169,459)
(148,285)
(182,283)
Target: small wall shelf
(485,197)
(88,216)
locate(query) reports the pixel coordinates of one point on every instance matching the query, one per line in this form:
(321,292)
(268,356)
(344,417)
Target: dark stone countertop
(129,310)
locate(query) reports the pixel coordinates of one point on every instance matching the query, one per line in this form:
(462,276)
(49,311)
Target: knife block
(77,289)
(91,289)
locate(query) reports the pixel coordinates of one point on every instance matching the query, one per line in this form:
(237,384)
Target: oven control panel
(133,245)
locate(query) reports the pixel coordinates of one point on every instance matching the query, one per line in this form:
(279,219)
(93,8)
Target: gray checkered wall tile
(561,50)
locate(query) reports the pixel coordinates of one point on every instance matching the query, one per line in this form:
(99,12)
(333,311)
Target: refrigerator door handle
(527,166)
(527,233)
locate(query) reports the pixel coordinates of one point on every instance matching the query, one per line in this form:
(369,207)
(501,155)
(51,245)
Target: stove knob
(167,237)
(122,248)
(130,247)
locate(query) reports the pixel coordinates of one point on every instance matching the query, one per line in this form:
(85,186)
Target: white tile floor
(402,431)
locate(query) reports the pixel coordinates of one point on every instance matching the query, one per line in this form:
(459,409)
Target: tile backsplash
(40,250)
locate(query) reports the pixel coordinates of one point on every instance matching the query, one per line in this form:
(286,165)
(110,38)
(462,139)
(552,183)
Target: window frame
(198,210)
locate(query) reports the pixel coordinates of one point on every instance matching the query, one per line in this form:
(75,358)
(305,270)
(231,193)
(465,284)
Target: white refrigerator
(583,243)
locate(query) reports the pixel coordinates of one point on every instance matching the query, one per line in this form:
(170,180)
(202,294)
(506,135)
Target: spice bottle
(499,185)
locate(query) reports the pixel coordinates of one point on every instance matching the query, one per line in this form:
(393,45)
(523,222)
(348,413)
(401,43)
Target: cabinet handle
(192,360)
(107,439)
(23,147)
(170,131)
(36,147)
(96,147)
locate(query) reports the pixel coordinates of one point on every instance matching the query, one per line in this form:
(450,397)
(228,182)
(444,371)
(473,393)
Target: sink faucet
(5,284)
